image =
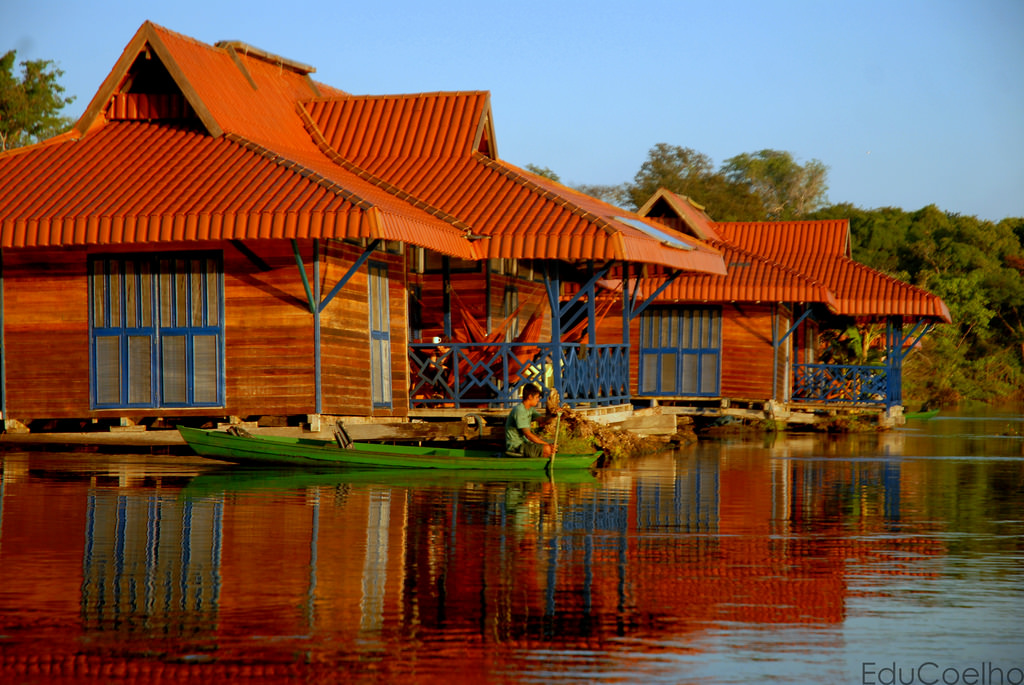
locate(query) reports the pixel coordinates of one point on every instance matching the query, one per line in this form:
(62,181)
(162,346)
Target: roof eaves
(624,245)
(933,302)
(67,137)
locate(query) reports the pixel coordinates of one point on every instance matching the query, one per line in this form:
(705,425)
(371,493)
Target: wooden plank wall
(746,346)
(46,333)
(268,330)
(345,335)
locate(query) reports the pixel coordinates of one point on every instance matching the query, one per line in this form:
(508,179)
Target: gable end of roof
(144,45)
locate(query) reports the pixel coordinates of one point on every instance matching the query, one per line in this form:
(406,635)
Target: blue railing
(842,383)
(491,375)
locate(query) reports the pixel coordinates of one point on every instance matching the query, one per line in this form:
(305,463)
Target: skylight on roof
(657,233)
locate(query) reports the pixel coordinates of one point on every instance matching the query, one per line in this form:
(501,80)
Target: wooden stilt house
(751,340)
(220,235)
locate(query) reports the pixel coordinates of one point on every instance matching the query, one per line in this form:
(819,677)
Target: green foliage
(30,106)
(691,173)
(976,267)
(876,235)
(947,371)
(852,345)
(787,190)
(615,195)
(544,171)
(768,184)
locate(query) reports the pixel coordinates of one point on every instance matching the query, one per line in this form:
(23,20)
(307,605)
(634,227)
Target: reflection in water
(151,564)
(798,557)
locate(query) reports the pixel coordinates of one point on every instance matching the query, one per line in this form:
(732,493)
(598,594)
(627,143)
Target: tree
(544,171)
(30,106)
(787,189)
(876,235)
(613,195)
(691,173)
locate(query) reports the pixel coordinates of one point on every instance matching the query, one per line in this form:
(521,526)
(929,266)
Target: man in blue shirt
(520,440)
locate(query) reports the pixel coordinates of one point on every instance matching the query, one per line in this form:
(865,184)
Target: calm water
(860,559)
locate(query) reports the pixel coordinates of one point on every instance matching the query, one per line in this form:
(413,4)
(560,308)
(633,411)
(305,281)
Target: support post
(554,289)
(446,284)
(592,305)
(317,366)
(3,347)
(775,350)
(358,264)
(627,304)
(313,298)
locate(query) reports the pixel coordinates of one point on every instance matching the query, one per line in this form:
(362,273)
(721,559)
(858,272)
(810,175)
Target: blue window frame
(380,336)
(681,352)
(157,330)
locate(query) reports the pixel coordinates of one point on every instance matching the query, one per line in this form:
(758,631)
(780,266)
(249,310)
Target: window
(156,331)
(380,336)
(509,304)
(680,351)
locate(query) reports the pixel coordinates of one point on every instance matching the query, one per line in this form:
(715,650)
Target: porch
(491,375)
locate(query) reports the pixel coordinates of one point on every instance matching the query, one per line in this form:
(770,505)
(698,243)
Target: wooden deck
(796,414)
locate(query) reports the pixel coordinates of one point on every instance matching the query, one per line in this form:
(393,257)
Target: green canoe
(274,450)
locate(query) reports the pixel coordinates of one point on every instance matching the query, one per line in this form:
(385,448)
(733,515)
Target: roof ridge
(176,34)
(779,221)
(397,96)
(334,156)
(520,176)
(254,52)
(304,171)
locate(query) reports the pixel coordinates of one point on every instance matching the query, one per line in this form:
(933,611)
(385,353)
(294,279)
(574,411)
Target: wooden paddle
(554,443)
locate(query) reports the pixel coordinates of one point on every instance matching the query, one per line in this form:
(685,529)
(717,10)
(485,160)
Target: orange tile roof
(254,173)
(790,239)
(273,153)
(821,250)
(751,278)
(428,146)
(141,182)
(790,261)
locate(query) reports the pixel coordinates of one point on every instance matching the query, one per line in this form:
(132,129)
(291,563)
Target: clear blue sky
(909,103)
